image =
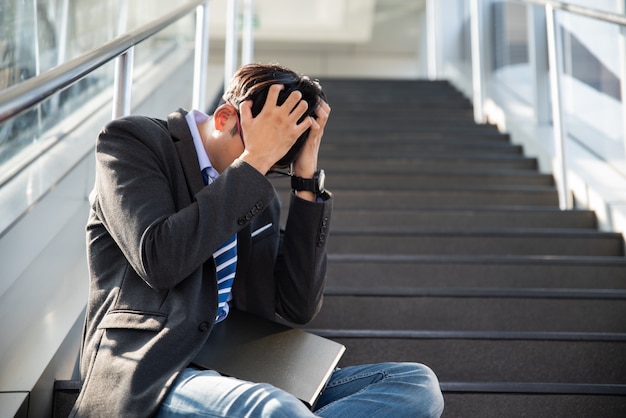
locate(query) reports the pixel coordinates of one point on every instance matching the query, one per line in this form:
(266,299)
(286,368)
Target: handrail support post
(230,53)
(478,87)
(622,55)
(432,39)
(122,85)
(201,58)
(555,53)
(247,37)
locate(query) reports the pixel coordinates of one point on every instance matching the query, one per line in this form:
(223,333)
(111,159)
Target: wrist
(259,164)
(305,167)
(309,187)
(305,195)
(305,173)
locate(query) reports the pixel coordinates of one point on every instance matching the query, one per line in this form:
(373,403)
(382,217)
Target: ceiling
(332,21)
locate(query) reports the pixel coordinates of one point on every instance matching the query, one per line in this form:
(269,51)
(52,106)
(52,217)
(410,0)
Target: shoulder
(135,124)
(134,131)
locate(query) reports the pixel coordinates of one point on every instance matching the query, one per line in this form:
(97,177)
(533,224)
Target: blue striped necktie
(225,263)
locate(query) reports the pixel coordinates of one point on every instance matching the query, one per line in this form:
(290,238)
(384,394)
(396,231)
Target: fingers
(291,110)
(305,124)
(323,107)
(292,104)
(315,126)
(294,98)
(245,110)
(272,94)
(322,112)
(271,133)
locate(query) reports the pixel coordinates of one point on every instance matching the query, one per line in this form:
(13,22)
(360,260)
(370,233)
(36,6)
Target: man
(171,198)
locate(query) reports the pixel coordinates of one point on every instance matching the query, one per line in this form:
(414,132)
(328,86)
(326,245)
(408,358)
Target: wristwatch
(315,185)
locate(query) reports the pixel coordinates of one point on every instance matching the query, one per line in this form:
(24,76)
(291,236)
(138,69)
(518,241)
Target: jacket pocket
(262,232)
(146,321)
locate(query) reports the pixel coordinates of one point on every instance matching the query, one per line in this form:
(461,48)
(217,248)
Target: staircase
(447,247)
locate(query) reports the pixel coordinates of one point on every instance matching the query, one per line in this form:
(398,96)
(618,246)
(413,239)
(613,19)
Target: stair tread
(477,359)
(451,218)
(485,279)
(494,243)
(541,405)
(575,314)
(479,270)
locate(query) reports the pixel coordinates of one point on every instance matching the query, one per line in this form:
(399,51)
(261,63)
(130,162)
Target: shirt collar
(193,118)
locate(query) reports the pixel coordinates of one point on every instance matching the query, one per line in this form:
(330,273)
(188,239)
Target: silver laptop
(250,348)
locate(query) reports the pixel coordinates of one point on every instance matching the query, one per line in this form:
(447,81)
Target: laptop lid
(251,348)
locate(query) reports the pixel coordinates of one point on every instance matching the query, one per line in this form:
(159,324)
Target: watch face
(321,179)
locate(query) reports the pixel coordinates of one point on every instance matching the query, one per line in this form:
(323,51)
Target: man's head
(252,81)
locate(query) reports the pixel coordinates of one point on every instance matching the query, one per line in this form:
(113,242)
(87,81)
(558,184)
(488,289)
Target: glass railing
(510,63)
(563,65)
(591,93)
(38,38)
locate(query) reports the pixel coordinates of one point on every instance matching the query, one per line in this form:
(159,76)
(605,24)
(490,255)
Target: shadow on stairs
(447,248)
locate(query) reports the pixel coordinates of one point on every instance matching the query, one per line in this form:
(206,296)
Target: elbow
(161,273)
(301,314)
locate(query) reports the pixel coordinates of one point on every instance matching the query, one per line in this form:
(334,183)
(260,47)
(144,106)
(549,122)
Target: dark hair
(252,82)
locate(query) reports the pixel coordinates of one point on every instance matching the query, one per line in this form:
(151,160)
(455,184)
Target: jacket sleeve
(301,264)
(142,197)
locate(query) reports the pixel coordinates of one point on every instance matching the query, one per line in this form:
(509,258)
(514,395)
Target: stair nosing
(475,259)
(480,293)
(469,335)
(534,388)
(499,232)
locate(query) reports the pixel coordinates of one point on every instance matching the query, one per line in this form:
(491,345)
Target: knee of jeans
(276,403)
(430,384)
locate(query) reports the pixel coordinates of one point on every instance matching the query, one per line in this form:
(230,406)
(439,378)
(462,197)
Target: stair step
(440,106)
(417,113)
(375,128)
(344,149)
(449,219)
(421,153)
(419,125)
(407,164)
(443,100)
(513,242)
(449,198)
(365,137)
(512,314)
(447,248)
(408,181)
(383,96)
(365,271)
(472,358)
(425,178)
(537,405)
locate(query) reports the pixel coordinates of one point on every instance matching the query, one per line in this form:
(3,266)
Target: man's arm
(301,267)
(305,165)
(143,201)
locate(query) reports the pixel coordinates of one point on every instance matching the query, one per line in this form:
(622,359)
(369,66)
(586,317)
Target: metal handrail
(21,97)
(616,18)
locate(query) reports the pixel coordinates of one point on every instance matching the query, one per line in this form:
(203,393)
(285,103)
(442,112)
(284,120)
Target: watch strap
(314,185)
(302,184)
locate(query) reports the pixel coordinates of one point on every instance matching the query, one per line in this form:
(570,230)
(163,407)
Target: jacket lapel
(179,130)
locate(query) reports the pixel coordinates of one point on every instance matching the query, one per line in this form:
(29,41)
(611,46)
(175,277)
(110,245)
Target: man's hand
(306,163)
(270,134)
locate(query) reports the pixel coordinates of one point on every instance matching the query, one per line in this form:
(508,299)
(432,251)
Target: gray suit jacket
(152,229)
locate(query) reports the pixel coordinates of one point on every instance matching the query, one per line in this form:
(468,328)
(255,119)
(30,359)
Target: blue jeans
(376,390)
